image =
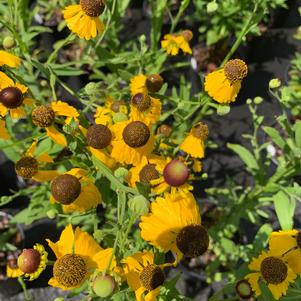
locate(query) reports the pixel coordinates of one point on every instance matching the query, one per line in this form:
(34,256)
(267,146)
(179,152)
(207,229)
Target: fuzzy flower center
(187,35)
(273,270)
(136,134)
(65,189)
(154,83)
(26,167)
(148,173)
(70,270)
(11,97)
(200,131)
(98,136)
(92,8)
(115,106)
(43,116)
(141,102)
(151,277)
(193,240)
(236,70)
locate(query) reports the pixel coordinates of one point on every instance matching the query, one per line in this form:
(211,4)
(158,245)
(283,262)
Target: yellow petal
(17,113)
(63,109)
(56,136)
(253,279)
(3,131)
(45,175)
(9,59)
(44,157)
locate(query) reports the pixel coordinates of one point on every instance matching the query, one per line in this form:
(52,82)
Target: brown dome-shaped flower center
(98,136)
(11,97)
(70,270)
(187,35)
(29,260)
(273,270)
(141,102)
(93,8)
(148,173)
(115,106)
(26,167)
(65,189)
(298,238)
(154,83)
(164,130)
(151,277)
(43,116)
(200,131)
(236,70)
(136,134)
(193,240)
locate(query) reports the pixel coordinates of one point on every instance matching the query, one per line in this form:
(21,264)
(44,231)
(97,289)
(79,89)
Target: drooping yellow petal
(44,157)
(9,59)
(3,131)
(3,110)
(61,108)
(103,157)
(13,273)
(253,279)
(137,84)
(17,113)
(102,259)
(193,146)
(45,175)
(56,136)
(5,81)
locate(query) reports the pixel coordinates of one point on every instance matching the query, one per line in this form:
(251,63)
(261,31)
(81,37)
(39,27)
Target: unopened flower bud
(258,100)
(103,285)
(274,83)
(51,213)
(121,173)
(139,205)
(91,88)
(119,117)
(212,7)
(8,42)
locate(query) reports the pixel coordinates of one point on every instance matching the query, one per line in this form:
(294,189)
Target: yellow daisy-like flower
(132,140)
(224,84)
(41,266)
(172,43)
(9,59)
(30,166)
(12,97)
(174,224)
(75,192)
(274,271)
(44,117)
(194,143)
(143,275)
(3,131)
(83,19)
(287,243)
(78,255)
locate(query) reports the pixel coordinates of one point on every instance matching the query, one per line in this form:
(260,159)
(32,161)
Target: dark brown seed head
(187,35)
(93,8)
(154,83)
(244,289)
(136,134)
(176,173)
(273,270)
(11,97)
(298,238)
(43,116)
(151,277)
(148,173)
(98,136)
(65,189)
(26,167)
(200,131)
(236,70)
(29,260)
(115,106)
(141,102)
(193,240)
(164,130)
(70,270)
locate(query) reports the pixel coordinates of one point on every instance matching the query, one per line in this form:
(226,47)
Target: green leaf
(297,129)
(275,136)
(285,208)
(223,110)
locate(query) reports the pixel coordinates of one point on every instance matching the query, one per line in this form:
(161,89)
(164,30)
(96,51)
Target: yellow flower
(288,243)
(9,59)
(194,143)
(78,255)
(138,84)
(83,19)
(12,97)
(224,84)
(196,165)
(174,224)
(30,165)
(3,131)
(143,275)
(131,142)
(44,117)
(16,272)
(88,197)
(273,270)
(172,43)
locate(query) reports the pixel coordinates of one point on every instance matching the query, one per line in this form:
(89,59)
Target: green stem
(175,21)
(243,32)
(132,220)
(27,296)
(40,136)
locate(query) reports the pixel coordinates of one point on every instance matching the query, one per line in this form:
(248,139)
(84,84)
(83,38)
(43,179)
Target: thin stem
(27,296)
(132,220)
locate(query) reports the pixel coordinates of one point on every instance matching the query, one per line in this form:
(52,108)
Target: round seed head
(26,167)
(273,270)
(148,173)
(141,102)
(70,270)
(193,240)
(164,130)
(136,134)
(244,289)
(98,136)
(151,277)
(154,83)
(175,173)
(115,106)
(43,116)
(187,35)
(236,70)
(11,97)
(103,285)
(29,260)
(200,131)
(93,8)
(65,189)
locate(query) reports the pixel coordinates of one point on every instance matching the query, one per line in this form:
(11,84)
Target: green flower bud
(118,117)
(121,173)
(59,299)
(91,88)
(139,205)
(258,100)
(212,7)
(51,213)
(274,83)
(249,101)
(103,286)
(8,42)
(204,176)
